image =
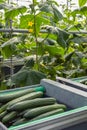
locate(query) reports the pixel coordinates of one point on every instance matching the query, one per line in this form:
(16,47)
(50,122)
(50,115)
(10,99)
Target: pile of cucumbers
(27,105)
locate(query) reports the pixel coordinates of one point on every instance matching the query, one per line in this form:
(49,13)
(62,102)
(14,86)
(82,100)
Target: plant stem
(35,35)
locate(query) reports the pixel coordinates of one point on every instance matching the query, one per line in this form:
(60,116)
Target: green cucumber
(3,108)
(40,110)
(24,120)
(20,114)
(50,113)
(9,117)
(22,98)
(20,121)
(20,106)
(29,96)
(10,96)
(3,114)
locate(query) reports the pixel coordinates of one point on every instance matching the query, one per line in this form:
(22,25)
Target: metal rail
(15,30)
(27,31)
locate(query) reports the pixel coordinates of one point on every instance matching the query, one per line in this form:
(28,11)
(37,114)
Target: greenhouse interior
(43,64)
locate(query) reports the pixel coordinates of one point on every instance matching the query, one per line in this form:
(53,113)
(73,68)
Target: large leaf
(9,47)
(25,19)
(68,56)
(57,15)
(2,1)
(45,7)
(18,78)
(15,11)
(82,2)
(54,50)
(62,38)
(50,41)
(82,11)
(79,39)
(26,77)
(34,77)
(39,21)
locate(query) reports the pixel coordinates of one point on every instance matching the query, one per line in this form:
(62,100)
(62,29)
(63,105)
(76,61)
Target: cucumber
(22,98)
(20,121)
(3,114)
(9,117)
(20,106)
(3,108)
(29,96)
(40,110)
(24,120)
(10,96)
(53,112)
(23,112)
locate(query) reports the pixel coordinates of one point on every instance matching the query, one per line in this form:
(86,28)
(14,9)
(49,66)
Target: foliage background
(55,48)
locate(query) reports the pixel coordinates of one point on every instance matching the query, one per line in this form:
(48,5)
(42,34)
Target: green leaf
(62,38)
(79,39)
(34,77)
(30,63)
(2,1)
(26,77)
(50,41)
(45,8)
(9,47)
(68,56)
(82,2)
(57,15)
(39,21)
(18,78)
(54,50)
(11,13)
(25,19)
(82,11)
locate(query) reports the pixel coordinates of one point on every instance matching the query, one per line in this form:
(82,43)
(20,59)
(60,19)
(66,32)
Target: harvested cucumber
(3,114)
(20,106)
(25,97)
(22,98)
(53,112)
(3,108)
(20,121)
(40,110)
(11,96)
(10,116)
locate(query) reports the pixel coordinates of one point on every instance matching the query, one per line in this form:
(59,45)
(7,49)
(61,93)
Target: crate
(72,83)
(79,79)
(75,116)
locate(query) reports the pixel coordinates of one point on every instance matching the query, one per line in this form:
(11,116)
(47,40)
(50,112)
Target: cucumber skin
(3,114)
(40,110)
(22,98)
(25,97)
(20,121)
(10,116)
(20,106)
(53,112)
(23,120)
(3,108)
(8,97)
